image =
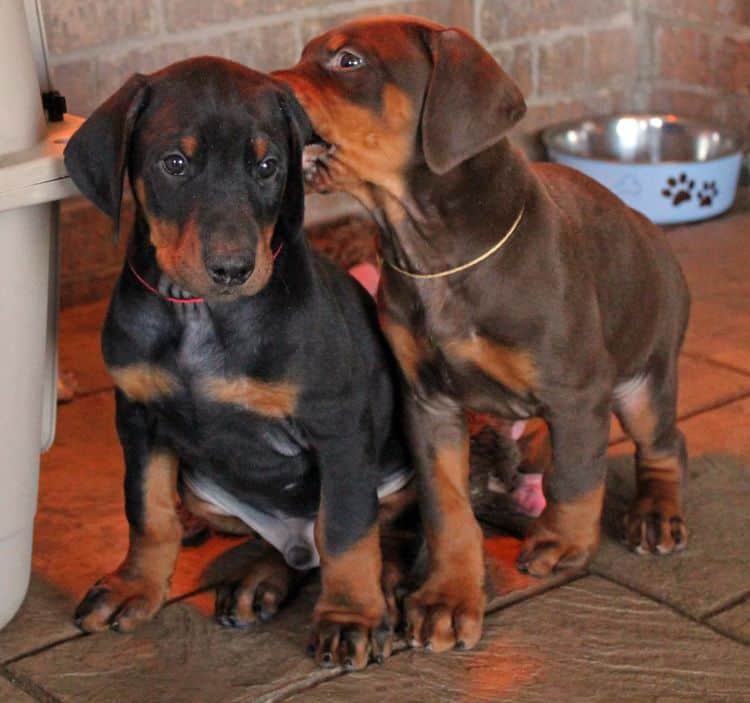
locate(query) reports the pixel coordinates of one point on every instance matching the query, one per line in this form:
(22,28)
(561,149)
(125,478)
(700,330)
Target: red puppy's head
(388,93)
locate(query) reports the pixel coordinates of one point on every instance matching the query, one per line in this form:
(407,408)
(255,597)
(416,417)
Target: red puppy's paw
(350,641)
(653,527)
(444,614)
(564,536)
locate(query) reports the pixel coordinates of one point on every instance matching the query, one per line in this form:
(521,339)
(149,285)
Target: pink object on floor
(528,494)
(368,276)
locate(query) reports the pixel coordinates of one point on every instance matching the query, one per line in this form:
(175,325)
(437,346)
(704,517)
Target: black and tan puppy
(508,288)
(251,376)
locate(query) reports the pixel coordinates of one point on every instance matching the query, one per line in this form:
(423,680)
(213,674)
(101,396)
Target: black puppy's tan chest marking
(144,382)
(200,372)
(270,399)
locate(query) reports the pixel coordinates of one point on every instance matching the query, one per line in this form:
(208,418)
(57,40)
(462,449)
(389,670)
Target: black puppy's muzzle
(230,269)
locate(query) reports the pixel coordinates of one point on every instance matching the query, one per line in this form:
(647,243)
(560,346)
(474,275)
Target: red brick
(684,54)
(734,112)
(505,19)
(188,14)
(454,14)
(72,24)
(612,54)
(562,65)
(713,11)
(683,102)
(545,114)
(517,62)
(264,49)
(732,66)
(115,68)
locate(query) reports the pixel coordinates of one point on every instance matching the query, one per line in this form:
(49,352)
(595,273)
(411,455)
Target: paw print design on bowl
(707,194)
(679,190)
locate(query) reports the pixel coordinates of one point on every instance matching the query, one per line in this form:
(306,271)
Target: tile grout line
(717,405)
(674,608)
(521,596)
(298,687)
(42,648)
(727,605)
(728,400)
(715,362)
(80,635)
(28,686)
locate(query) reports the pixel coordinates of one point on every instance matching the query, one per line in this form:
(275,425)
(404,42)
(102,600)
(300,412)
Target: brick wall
(570,57)
(694,58)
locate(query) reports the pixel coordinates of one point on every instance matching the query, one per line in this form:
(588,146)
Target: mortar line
(674,608)
(549,36)
(212,30)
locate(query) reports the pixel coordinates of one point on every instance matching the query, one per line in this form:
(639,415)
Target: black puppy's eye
(174,164)
(347,61)
(267,168)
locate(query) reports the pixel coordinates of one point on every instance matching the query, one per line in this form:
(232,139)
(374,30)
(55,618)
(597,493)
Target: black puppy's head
(213,153)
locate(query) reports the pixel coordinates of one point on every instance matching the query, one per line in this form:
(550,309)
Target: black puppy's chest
(204,410)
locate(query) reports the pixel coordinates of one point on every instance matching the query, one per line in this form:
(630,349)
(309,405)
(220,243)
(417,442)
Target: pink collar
(169,299)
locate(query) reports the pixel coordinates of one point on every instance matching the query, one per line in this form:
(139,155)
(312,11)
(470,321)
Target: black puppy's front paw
(119,604)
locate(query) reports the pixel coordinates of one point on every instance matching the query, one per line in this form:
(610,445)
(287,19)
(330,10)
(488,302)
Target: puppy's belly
(293,536)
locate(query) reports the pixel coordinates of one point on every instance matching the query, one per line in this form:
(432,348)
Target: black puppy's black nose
(230,269)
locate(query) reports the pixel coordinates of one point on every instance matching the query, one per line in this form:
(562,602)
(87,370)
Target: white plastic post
(25,236)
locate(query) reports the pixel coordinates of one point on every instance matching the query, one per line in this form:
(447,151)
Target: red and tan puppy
(508,288)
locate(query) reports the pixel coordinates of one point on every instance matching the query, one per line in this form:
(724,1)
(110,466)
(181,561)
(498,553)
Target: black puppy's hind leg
(258,595)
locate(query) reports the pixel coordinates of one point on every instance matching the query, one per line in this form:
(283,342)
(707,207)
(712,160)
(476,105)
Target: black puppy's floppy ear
(470,101)
(97,154)
(300,132)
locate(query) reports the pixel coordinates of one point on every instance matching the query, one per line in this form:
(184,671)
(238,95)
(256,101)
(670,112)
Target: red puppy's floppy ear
(97,154)
(470,101)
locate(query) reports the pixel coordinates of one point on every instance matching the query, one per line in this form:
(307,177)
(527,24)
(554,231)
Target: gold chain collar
(468,264)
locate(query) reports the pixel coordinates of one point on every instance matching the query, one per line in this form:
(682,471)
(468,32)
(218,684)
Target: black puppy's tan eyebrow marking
(189,145)
(260,147)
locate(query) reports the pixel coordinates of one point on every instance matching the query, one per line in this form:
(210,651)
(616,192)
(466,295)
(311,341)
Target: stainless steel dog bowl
(669,168)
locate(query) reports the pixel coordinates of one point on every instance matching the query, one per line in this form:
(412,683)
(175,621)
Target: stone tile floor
(628,629)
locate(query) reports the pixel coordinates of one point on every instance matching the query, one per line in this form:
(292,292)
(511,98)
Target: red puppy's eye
(347,61)
(175,164)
